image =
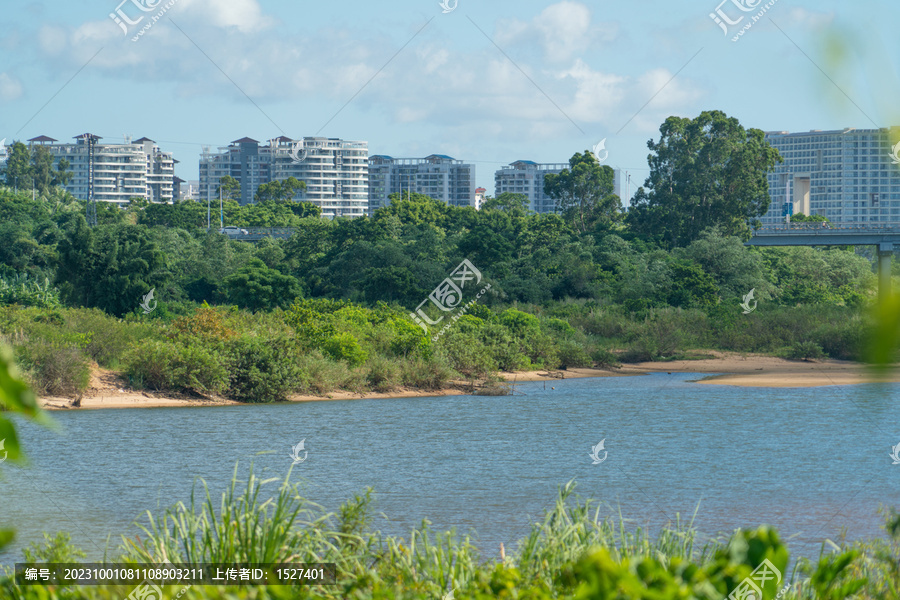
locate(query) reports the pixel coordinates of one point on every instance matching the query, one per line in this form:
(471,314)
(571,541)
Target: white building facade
(335,171)
(848,176)
(119,171)
(527,177)
(437,175)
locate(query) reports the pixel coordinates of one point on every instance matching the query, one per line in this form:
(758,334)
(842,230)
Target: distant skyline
(486,83)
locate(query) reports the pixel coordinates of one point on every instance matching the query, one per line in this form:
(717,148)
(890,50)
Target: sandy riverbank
(107,390)
(750,370)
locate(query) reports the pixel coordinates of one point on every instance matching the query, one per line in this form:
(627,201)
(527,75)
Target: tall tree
(18,169)
(704,172)
(584,192)
(280,190)
(62,175)
(509,202)
(43,174)
(41,169)
(230,188)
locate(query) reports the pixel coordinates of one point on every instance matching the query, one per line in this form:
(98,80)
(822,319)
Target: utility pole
(207,209)
(221,210)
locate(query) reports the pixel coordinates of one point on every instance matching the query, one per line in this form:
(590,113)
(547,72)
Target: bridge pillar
(885,252)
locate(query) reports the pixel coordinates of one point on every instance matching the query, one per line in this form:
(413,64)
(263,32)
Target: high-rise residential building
(848,176)
(527,177)
(437,175)
(119,171)
(241,160)
(335,171)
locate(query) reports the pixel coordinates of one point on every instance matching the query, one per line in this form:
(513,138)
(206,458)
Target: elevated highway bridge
(884,236)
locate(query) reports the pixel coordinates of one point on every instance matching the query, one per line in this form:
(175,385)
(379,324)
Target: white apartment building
(120,171)
(437,175)
(335,171)
(527,177)
(848,176)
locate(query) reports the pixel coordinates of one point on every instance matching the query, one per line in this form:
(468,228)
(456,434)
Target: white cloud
(799,16)
(461,90)
(563,30)
(244,15)
(10,87)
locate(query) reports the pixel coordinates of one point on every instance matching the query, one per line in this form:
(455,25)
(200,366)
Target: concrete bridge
(884,236)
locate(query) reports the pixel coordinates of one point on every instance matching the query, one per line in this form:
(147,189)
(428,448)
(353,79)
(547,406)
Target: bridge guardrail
(829,227)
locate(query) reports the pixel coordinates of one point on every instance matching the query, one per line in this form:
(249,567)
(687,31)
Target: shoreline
(742,370)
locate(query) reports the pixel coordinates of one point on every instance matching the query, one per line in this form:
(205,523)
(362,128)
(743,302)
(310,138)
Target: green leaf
(6,536)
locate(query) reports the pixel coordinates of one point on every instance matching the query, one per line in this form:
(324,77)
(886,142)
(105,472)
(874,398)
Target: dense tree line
(398,256)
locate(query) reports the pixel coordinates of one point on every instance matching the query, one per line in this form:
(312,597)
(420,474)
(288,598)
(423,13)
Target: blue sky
(488,82)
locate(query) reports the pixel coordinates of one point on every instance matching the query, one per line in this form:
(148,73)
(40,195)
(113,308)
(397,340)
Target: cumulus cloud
(244,15)
(564,30)
(10,87)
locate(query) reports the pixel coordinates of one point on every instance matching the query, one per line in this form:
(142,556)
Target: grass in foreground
(571,553)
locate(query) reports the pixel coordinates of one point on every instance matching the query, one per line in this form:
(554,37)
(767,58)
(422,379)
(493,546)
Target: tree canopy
(704,172)
(584,192)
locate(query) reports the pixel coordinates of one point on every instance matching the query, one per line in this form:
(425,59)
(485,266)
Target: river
(812,461)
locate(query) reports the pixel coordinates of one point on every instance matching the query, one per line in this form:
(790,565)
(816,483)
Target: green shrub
(804,351)
(558,327)
(382,374)
(319,375)
(604,358)
(313,328)
(542,351)
(426,374)
(409,339)
(167,365)
(604,324)
(520,323)
(480,311)
(262,369)
(506,349)
(56,549)
(54,368)
(345,346)
(573,355)
(110,338)
(843,341)
(466,354)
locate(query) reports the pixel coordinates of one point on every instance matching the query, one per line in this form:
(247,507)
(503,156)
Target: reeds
(572,552)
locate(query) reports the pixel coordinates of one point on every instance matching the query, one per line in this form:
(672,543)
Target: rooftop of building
(813,132)
(521,164)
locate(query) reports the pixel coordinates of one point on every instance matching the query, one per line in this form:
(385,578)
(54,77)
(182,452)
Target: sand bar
(108,390)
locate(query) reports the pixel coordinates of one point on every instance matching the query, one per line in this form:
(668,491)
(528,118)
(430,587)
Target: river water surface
(812,461)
